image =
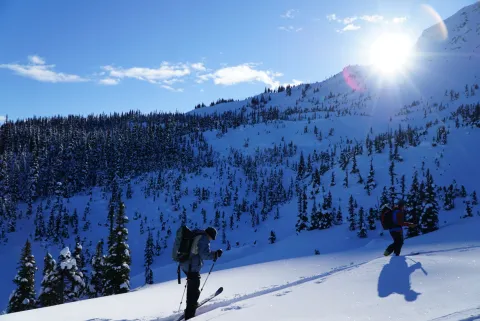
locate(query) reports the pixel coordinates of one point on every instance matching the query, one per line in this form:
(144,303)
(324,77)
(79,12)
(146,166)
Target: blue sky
(82,57)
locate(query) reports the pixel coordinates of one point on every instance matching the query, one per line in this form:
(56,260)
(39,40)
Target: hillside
(247,167)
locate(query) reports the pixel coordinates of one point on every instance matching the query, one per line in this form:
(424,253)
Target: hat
(212,232)
(401,203)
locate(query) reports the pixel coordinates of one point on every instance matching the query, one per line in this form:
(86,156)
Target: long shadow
(395,278)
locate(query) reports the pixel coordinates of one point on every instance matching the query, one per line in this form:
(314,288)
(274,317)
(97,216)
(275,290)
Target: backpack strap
(394,216)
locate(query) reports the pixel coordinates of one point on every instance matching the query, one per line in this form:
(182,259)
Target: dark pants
(397,244)
(193,293)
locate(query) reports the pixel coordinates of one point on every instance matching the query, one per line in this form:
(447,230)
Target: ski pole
(181,301)
(421,267)
(208,276)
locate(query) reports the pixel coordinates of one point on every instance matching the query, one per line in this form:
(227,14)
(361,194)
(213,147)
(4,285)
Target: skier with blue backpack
(394,221)
(190,249)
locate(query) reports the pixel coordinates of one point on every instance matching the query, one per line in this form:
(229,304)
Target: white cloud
(178,90)
(372,18)
(332,17)
(201,90)
(290,28)
(198,66)
(242,73)
(36,60)
(2,118)
(399,19)
(349,20)
(165,72)
(39,71)
(109,81)
(290,14)
(350,27)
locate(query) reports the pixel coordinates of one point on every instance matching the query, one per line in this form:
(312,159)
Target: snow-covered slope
(437,284)
(278,281)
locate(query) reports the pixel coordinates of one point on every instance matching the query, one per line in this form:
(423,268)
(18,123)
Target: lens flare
(440,26)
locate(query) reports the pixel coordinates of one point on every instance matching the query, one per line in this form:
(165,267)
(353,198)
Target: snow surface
(361,284)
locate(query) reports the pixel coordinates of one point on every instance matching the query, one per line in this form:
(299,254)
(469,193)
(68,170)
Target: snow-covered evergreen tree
(50,291)
(362,227)
(71,279)
(148,259)
(273,237)
(371,219)
(314,217)
(339,216)
(23,297)
(468,210)
(117,275)
(351,214)
(414,207)
(429,220)
(97,279)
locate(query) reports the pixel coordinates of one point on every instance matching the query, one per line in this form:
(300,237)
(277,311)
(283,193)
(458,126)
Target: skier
(396,223)
(200,251)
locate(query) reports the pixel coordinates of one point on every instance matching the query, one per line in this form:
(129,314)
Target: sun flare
(391,53)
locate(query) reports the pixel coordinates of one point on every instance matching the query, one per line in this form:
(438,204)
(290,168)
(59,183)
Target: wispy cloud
(372,18)
(349,20)
(332,17)
(178,90)
(36,60)
(399,19)
(289,14)
(290,28)
(38,70)
(350,27)
(109,81)
(241,74)
(199,66)
(153,75)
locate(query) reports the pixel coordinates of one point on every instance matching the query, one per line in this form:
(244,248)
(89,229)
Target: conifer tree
(314,217)
(429,220)
(81,262)
(148,258)
(272,237)
(362,233)
(463,192)
(302,218)
(474,198)
(339,216)
(371,219)
(117,274)
(345,180)
(449,198)
(326,220)
(96,286)
(351,214)
(332,181)
(414,207)
(50,291)
(71,281)
(23,298)
(301,167)
(371,184)
(468,210)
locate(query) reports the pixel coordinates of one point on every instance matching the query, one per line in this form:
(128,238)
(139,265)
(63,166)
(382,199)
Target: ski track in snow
(470,314)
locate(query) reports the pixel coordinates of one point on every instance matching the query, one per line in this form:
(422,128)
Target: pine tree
(392,183)
(362,233)
(463,192)
(148,257)
(23,298)
(371,219)
(468,210)
(326,220)
(81,262)
(39,224)
(371,184)
(314,217)
(50,292)
(429,220)
(117,274)
(339,216)
(302,220)
(129,193)
(72,284)
(474,198)
(96,286)
(449,198)
(354,165)
(272,237)
(74,220)
(277,214)
(351,214)
(414,207)
(301,167)
(332,182)
(345,180)
(384,197)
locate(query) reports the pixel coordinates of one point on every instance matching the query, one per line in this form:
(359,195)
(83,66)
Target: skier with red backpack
(190,249)
(394,221)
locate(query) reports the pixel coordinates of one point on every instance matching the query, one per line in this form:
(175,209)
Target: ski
(207,299)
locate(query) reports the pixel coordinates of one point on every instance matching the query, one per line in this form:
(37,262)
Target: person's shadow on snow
(395,278)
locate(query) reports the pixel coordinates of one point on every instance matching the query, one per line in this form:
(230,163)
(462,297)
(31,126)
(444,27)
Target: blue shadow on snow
(395,278)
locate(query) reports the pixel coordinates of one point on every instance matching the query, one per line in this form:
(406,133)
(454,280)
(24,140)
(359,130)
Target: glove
(413,225)
(218,253)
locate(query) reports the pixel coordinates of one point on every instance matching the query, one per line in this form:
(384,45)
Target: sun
(391,52)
